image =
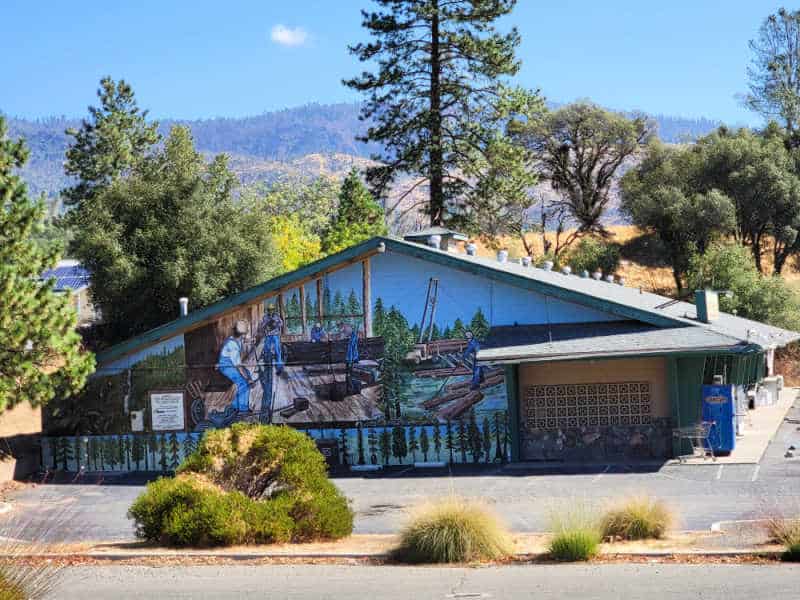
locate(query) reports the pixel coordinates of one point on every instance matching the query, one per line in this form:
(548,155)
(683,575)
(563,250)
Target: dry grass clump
(453,530)
(638,518)
(576,534)
(785,531)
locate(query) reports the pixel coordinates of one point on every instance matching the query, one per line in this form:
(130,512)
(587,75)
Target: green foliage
(755,296)
(112,141)
(592,254)
(40,353)
(637,519)
(661,195)
(774,86)
(270,481)
(575,534)
(461,153)
(313,202)
(451,531)
(579,149)
(294,242)
(358,217)
(172,228)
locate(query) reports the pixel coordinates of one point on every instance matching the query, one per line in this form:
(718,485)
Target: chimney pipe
(184,306)
(435,241)
(471,249)
(547,265)
(526,261)
(597,275)
(566,270)
(502,255)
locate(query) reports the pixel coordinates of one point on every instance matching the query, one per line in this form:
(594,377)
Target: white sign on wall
(167,411)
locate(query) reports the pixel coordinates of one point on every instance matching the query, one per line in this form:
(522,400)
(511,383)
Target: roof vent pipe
(502,255)
(435,241)
(472,249)
(621,281)
(597,275)
(525,261)
(610,278)
(566,270)
(183,303)
(707,303)
(585,274)
(547,265)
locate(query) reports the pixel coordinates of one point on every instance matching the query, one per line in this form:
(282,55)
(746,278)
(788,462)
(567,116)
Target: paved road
(700,495)
(539,582)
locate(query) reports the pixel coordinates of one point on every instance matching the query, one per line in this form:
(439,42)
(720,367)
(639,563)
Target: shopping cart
(698,436)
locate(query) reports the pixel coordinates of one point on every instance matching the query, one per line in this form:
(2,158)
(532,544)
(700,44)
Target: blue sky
(201,58)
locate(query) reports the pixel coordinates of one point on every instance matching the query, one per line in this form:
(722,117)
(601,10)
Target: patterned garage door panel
(564,406)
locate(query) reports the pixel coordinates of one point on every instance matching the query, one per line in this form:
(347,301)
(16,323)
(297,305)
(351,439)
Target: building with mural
(411,351)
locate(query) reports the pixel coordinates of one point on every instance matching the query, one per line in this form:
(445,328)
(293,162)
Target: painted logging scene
(395,384)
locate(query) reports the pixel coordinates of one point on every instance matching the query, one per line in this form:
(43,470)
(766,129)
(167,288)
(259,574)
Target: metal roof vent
(435,241)
(610,278)
(621,281)
(707,304)
(183,306)
(566,270)
(597,275)
(547,265)
(585,274)
(525,261)
(502,255)
(471,249)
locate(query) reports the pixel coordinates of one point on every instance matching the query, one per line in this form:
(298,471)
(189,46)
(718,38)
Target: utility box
(719,408)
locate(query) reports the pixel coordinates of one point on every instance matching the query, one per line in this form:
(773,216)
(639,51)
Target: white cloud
(288,36)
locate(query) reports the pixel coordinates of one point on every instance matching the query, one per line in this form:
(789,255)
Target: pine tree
(413,444)
(108,144)
(487,439)
(458,331)
(385,445)
(438,104)
(343,446)
(372,442)
(378,317)
(437,441)
(399,445)
(358,217)
(474,438)
(112,452)
(354,307)
(479,325)
(449,441)
(127,451)
(137,452)
(101,452)
(174,451)
(447,333)
(424,443)
(162,451)
(360,444)
(499,454)
(463,440)
(77,452)
(188,445)
(40,351)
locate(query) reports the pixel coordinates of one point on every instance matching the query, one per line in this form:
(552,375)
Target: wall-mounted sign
(167,411)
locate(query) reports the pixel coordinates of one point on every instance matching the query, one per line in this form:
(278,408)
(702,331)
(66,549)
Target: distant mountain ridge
(306,140)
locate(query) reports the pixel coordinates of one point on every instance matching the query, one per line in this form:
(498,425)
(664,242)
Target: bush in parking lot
(637,518)
(245,484)
(576,534)
(786,531)
(453,530)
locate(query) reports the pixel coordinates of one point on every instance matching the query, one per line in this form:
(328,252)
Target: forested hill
(261,144)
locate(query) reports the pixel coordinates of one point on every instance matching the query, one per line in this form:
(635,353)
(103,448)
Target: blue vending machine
(719,407)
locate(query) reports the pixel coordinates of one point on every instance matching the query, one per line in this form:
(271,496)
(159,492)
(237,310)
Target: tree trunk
(756,250)
(676,275)
(435,125)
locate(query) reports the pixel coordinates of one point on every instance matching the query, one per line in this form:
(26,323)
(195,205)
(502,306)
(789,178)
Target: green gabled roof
(624,302)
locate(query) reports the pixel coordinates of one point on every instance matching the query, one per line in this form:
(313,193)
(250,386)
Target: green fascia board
(178,326)
(433,255)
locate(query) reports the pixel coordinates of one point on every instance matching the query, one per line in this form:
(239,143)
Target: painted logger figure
(272,327)
(317,333)
(349,333)
(471,354)
(230,365)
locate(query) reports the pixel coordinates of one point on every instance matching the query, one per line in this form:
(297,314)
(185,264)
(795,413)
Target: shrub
(453,530)
(637,519)
(592,254)
(246,484)
(576,535)
(10,590)
(786,531)
(792,552)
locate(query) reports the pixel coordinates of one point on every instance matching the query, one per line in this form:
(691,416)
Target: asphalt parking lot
(524,495)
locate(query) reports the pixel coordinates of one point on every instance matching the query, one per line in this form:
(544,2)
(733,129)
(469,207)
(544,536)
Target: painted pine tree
(486,430)
(111,451)
(424,443)
(399,444)
(92,451)
(385,445)
(458,331)
(360,444)
(65,453)
(354,308)
(474,438)
(479,325)
(120,448)
(506,435)
(101,452)
(162,451)
(449,441)
(499,455)
(437,441)
(136,451)
(378,317)
(463,441)
(79,456)
(174,451)
(413,444)
(343,446)
(128,451)
(372,443)
(188,445)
